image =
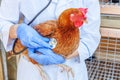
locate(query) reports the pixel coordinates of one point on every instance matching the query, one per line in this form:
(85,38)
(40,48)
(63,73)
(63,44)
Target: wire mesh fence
(103,70)
(105,65)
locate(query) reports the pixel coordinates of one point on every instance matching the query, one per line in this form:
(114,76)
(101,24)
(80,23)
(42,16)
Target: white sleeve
(9,15)
(89,33)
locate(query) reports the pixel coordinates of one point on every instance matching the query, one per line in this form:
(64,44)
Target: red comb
(83,10)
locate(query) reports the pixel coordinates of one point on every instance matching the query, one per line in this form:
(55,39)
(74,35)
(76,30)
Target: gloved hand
(30,38)
(46,57)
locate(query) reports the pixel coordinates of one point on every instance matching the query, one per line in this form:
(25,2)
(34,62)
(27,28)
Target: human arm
(45,56)
(10,29)
(89,33)
(9,15)
(29,37)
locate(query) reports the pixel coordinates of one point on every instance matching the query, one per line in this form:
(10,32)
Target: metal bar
(4,62)
(107,56)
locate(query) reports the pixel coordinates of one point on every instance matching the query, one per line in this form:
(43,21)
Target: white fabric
(28,71)
(10,12)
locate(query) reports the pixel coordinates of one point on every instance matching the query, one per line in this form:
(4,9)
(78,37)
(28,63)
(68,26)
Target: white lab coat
(10,12)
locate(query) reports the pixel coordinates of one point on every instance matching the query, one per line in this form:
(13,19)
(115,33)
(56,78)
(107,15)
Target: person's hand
(30,38)
(45,57)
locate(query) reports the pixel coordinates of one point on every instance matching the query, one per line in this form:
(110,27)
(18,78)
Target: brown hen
(65,31)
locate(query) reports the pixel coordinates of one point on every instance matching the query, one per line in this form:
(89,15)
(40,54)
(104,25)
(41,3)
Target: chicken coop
(105,63)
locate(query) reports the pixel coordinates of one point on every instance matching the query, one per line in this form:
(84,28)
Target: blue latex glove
(46,57)
(31,38)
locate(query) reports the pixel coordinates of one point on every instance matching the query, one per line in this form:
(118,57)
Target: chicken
(64,32)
